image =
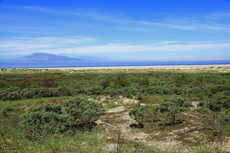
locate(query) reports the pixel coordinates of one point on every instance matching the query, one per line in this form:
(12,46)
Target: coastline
(141,67)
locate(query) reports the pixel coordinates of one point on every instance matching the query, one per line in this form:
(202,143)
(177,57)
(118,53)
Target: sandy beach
(143,67)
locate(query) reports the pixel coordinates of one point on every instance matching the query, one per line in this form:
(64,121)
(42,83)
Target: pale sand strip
(143,67)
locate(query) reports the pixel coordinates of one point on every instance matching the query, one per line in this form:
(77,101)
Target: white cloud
(174,26)
(121,48)
(168,42)
(40,43)
(184,58)
(196,23)
(218,16)
(55,45)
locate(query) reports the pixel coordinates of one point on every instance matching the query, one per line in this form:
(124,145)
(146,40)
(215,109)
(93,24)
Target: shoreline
(140,67)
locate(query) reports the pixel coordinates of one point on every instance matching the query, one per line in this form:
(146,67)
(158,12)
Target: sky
(55,33)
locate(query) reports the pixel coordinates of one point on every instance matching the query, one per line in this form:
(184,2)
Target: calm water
(96,64)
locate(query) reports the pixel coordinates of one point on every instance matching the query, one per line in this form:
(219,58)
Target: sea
(110,64)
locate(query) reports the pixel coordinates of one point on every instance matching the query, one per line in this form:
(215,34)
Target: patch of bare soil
(182,137)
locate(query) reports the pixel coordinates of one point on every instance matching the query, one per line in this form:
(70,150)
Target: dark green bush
(27,94)
(6,112)
(178,91)
(105,84)
(45,92)
(200,79)
(184,78)
(77,86)
(83,111)
(14,95)
(64,91)
(220,81)
(17,93)
(25,84)
(221,122)
(3,84)
(219,101)
(121,81)
(157,83)
(95,90)
(173,106)
(12,92)
(217,124)
(138,113)
(145,81)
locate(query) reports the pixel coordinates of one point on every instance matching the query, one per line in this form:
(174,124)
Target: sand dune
(143,67)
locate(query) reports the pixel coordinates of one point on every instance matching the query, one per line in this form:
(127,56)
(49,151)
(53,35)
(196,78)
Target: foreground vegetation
(58,111)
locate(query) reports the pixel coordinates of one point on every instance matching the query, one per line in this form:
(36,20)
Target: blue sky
(49,33)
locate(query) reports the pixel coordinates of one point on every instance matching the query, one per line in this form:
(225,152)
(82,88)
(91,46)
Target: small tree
(138,113)
(172,107)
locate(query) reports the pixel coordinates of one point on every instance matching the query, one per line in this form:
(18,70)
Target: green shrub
(25,84)
(173,106)
(64,91)
(3,84)
(220,81)
(121,81)
(109,90)
(28,94)
(200,79)
(44,119)
(202,108)
(14,95)
(48,83)
(184,78)
(217,123)
(3,69)
(83,111)
(95,90)
(136,79)
(221,122)
(6,112)
(157,83)
(55,92)
(178,91)
(155,90)
(144,82)
(3,95)
(77,86)
(105,84)
(139,96)
(138,113)
(219,101)
(49,118)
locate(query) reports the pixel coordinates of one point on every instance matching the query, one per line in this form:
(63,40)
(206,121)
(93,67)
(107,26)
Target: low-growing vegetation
(114,111)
